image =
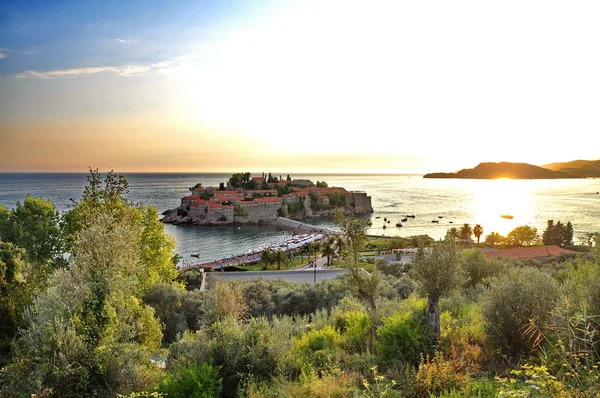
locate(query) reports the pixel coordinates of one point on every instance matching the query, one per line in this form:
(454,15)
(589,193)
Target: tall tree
(494,239)
(466,231)
(437,272)
(354,232)
(328,250)
(478,231)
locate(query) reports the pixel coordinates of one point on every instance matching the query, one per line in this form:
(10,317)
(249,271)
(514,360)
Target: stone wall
(359,202)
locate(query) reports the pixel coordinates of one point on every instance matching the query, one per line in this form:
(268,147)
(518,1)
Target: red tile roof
(262,191)
(258,179)
(527,252)
(191,197)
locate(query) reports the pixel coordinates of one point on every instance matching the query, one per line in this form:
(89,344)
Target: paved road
(302,276)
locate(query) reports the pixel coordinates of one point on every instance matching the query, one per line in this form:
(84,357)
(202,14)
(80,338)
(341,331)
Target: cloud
(2,55)
(126,71)
(30,52)
(127,41)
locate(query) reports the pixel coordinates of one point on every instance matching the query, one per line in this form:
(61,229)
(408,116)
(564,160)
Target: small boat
(384,218)
(404,219)
(399,225)
(388,221)
(377,217)
(411,216)
(435,221)
(507,216)
(195,254)
(384,227)
(440,216)
(450,222)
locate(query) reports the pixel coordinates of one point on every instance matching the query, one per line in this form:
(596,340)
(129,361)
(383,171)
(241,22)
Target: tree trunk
(433,314)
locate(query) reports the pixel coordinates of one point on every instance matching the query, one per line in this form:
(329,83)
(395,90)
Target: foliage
(514,300)
(494,239)
(437,272)
(177,309)
(192,381)
(465,232)
(238,210)
(558,234)
(476,268)
(12,296)
(35,227)
(224,299)
(532,381)
(438,374)
(402,336)
(478,231)
(318,348)
(88,333)
(522,236)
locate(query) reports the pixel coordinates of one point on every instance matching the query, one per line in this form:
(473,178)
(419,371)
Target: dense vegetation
(92,304)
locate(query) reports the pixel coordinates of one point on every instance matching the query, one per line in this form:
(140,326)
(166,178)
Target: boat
(398,225)
(411,216)
(450,222)
(384,227)
(195,254)
(435,221)
(404,219)
(377,217)
(507,216)
(388,221)
(440,216)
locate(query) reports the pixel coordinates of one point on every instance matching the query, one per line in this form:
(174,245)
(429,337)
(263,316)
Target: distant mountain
(575,164)
(503,170)
(578,168)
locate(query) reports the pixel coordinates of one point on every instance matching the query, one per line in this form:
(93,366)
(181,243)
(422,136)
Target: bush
(437,375)
(515,301)
(193,381)
(318,348)
(402,336)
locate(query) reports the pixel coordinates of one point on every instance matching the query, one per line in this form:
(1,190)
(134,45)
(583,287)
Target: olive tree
(437,271)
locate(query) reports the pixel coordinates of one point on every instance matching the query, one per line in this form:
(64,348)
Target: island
(492,170)
(578,168)
(247,200)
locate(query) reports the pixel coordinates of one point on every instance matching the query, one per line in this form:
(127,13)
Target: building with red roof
(535,253)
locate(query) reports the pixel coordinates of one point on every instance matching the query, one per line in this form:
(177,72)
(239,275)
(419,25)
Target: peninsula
(261,200)
(504,170)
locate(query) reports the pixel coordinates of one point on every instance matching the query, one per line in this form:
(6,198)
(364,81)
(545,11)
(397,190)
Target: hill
(581,168)
(575,164)
(492,170)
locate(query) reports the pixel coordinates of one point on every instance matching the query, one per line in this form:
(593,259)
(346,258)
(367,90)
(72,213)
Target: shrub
(514,301)
(401,336)
(201,381)
(317,348)
(437,375)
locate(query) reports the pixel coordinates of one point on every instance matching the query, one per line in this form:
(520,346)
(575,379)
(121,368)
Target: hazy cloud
(2,55)
(127,41)
(127,71)
(30,52)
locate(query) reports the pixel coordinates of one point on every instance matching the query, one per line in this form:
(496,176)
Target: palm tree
(267,257)
(281,257)
(453,233)
(328,250)
(466,232)
(338,244)
(478,231)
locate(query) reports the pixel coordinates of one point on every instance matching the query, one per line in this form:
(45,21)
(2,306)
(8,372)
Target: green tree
(523,236)
(89,334)
(437,272)
(453,233)
(281,257)
(267,257)
(328,250)
(35,227)
(476,268)
(478,231)
(12,296)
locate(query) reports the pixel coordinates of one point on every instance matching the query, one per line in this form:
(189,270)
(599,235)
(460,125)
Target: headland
(492,170)
(247,200)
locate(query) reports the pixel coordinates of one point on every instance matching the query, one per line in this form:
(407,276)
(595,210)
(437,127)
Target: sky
(313,86)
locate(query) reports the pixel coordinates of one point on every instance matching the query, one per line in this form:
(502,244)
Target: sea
(449,202)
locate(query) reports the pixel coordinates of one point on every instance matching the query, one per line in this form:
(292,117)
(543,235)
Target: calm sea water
(530,202)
